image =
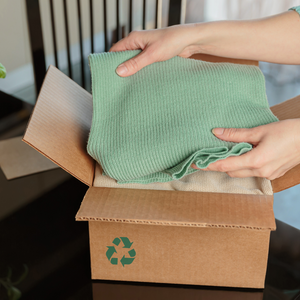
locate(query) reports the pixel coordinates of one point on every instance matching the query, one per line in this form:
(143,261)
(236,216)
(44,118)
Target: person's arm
(276,146)
(273,39)
(276,150)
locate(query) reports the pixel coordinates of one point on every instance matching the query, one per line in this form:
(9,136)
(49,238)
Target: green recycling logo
(124,260)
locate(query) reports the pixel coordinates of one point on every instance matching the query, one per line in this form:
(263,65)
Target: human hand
(157,45)
(276,150)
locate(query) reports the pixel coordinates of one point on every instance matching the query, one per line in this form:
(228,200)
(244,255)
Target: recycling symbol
(124,260)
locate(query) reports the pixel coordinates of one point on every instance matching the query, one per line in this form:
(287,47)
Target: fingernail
(218,131)
(121,69)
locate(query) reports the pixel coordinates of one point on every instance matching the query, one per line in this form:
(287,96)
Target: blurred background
(35,34)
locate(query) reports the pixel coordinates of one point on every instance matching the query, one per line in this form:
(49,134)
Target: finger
(238,135)
(226,165)
(195,167)
(132,41)
(255,173)
(136,63)
(242,173)
(269,171)
(280,172)
(121,45)
(234,163)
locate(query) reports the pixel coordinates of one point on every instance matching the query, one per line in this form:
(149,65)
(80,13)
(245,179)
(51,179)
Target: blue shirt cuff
(296,8)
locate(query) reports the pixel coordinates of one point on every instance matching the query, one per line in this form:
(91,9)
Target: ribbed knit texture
(151,126)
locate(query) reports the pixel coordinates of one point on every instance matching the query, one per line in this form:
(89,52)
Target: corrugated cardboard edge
(61,166)
(157,207)
(166,223)
(289,109)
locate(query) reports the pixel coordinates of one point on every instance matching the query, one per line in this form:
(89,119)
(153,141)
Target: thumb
(135,64)
(238,135)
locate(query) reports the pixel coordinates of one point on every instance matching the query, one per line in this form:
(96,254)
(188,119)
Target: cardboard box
(213,239)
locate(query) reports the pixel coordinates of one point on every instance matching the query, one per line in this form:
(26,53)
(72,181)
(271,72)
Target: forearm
(273,39)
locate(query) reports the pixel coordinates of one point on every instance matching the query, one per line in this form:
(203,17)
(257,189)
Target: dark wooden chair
(36,34)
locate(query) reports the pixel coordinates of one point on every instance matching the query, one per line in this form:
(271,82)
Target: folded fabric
(152,126)
(200,181)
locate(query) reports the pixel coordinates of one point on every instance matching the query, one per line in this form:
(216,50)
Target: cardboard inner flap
(60,125)
(178,208)
(289,109)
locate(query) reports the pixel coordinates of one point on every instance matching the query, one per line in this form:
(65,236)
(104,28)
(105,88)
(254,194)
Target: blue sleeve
(296,8)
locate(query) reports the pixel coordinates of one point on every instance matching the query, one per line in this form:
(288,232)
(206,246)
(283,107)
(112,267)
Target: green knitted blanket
(151,126)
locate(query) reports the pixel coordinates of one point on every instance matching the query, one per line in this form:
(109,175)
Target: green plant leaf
(13,293)
(2,71)
(5,284)
(9,273)
(23,276)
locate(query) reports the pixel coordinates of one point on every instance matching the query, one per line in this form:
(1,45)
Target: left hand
(276,150)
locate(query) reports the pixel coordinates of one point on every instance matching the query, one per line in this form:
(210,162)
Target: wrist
(205,36)
(296,133)
(221,38)
(188,33)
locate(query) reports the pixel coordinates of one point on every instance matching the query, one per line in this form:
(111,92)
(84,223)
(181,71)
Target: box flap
(289,109)
(60,125)
(17,159)
(178,208)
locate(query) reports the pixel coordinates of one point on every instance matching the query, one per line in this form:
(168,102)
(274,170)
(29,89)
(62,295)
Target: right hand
(156,45)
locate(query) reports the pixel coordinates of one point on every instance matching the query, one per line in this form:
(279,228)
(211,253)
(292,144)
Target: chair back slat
(159,14)
(177,12)
(67,38)
(53,33)
(105,26)
(36,41)
(156,15)
(183,11)
(118,20)
(130,15)
(174,12)
(144,14)
(92,26)
(81,44)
